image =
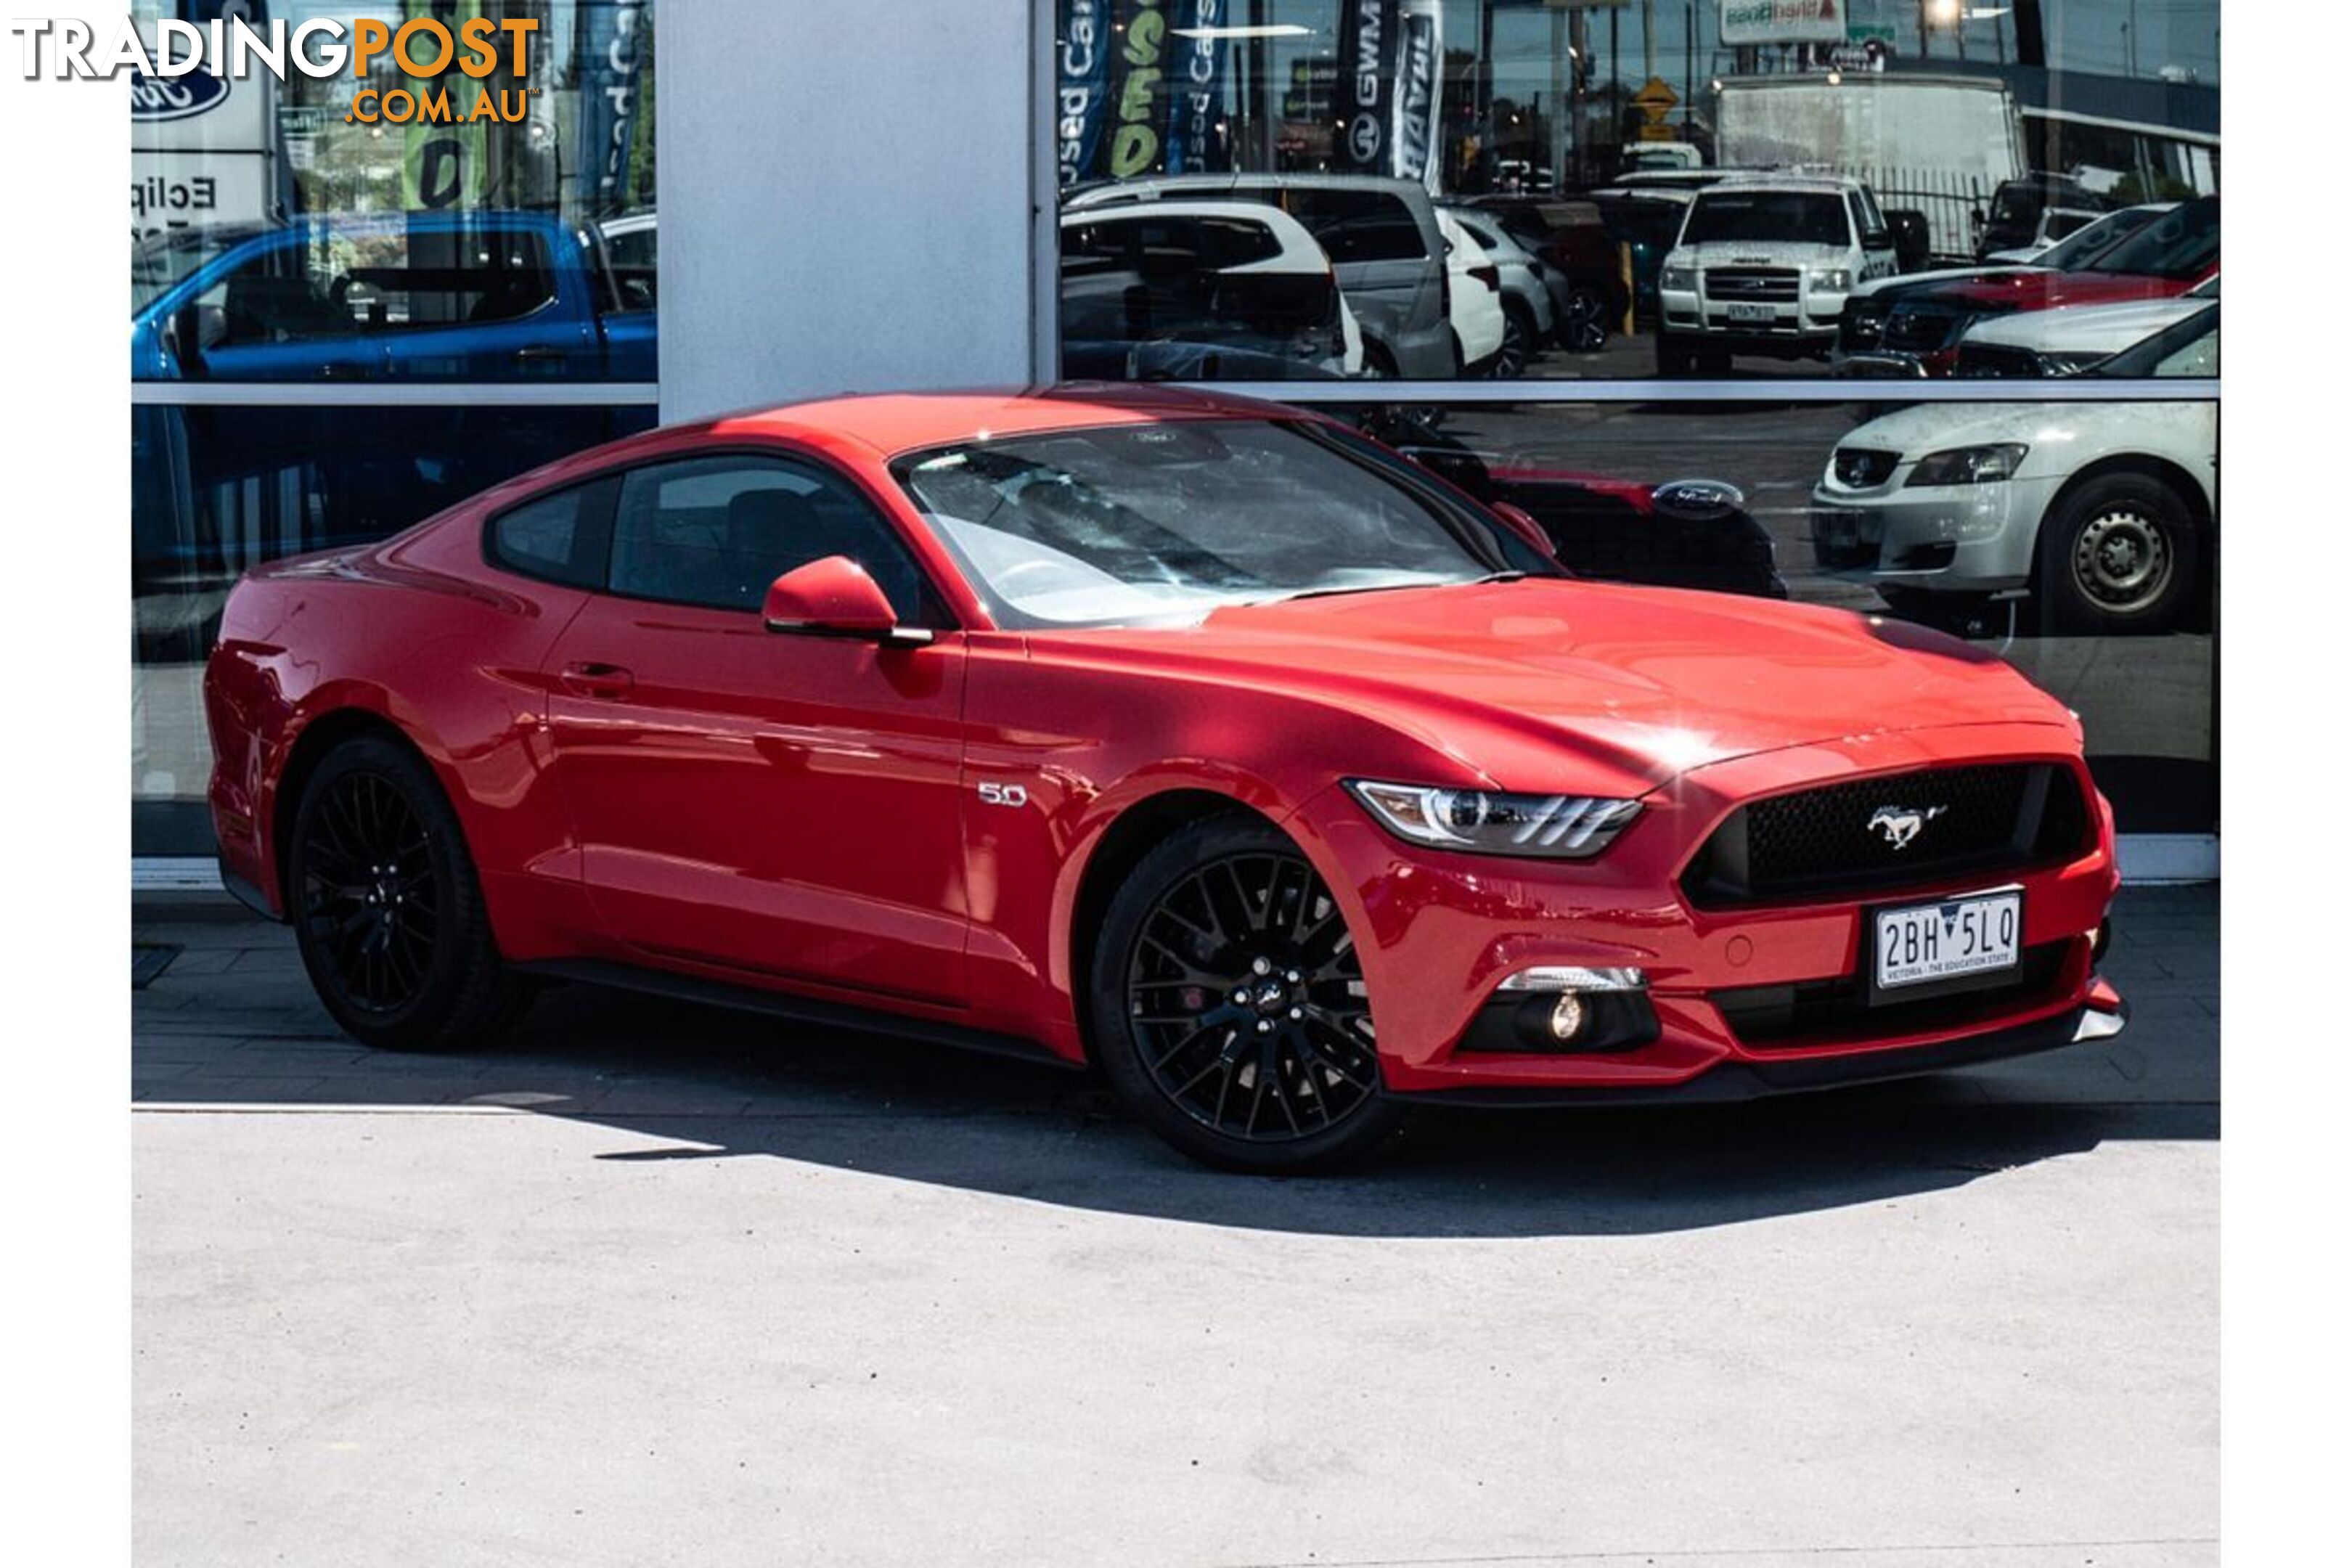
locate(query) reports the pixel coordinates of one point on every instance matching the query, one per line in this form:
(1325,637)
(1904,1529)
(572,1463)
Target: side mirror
(183,340)
(834,597)
(1524,525)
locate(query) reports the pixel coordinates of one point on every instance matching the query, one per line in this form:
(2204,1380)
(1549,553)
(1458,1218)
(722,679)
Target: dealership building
(342,323)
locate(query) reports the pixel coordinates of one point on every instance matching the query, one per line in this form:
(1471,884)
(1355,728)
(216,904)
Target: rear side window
(562,538)
(1350,226)
(395,281)
(715,532)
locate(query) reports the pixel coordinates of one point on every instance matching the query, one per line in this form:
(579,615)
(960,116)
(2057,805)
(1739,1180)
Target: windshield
(1796,217)
(159,263)
(1163,523)
(2077,249)
(2179,244)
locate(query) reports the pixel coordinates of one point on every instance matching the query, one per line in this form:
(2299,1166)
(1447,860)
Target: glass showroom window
(1917,233)
(1552,189)
(342,322)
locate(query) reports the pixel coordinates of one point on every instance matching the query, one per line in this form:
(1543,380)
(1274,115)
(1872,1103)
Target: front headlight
(1968,465)
(1486,822)
(1681,278)
(1833,279)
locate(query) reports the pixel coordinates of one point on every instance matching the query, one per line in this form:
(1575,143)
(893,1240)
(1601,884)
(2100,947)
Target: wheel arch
(1118,847)
(318,738)
(2172,475)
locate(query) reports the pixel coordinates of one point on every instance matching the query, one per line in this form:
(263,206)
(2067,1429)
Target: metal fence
(1955,205)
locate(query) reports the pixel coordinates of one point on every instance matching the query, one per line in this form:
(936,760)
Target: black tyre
(2119,555)
(386,909)
(1228,1005)
(1519,338)
(1583,325)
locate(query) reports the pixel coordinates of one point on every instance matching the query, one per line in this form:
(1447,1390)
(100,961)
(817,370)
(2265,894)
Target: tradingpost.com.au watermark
(423,49)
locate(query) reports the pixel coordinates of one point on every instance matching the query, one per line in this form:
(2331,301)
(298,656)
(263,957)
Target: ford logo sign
(156,98)
(1696,501)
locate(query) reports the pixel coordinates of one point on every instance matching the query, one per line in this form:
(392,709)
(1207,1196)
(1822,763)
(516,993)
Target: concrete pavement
(656,1284)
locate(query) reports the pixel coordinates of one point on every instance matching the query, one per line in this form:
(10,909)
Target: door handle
(540,353)
(592,679)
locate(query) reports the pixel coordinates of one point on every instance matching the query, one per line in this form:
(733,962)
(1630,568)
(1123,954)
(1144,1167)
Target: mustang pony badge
(1901,824)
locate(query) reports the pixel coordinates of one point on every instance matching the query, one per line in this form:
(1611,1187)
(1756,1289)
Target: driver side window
(715,532)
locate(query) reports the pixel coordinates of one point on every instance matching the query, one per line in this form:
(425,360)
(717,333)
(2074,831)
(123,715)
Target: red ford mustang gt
(1202,738)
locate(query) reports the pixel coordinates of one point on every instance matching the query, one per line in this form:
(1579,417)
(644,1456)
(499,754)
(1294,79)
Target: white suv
(1762,265)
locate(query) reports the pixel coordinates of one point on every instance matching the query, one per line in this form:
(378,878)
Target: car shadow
(691,1083)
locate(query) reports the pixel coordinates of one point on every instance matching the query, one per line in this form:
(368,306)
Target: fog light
(1567,1016)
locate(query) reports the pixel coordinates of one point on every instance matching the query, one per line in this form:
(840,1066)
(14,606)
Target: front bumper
(1437,933)
(1945,538)
(2102,1019)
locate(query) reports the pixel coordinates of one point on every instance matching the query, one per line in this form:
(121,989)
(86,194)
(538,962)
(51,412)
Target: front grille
(1917,329)
(1743,283)
(1863,468)
(1845,539)
(1837,840)
(1996,360)
(1832,1012)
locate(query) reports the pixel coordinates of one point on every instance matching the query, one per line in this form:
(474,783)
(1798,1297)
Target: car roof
(890,422)
(1817,185)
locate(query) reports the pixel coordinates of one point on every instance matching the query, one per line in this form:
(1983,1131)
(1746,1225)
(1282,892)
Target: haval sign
(1784,21)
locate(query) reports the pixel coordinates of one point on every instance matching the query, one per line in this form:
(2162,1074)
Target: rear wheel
(387,909)
(1229,1008)
(1518,343)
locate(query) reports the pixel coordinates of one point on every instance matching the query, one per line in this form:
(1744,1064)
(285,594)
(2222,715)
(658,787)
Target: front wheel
(1228,1007)
(2119,555)
(1583,326)
(386,909)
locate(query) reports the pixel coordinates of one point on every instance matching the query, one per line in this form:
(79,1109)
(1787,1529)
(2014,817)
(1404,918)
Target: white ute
(1762,265)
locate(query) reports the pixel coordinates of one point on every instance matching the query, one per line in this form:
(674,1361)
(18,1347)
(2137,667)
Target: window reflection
(1707,188)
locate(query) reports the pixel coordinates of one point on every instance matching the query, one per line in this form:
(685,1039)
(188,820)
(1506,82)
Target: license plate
(1752,313)
(1969,938)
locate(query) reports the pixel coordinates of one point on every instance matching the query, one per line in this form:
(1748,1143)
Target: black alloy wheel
(1583,326)
(386,909)
(1518,347)
(371,907)
(1230,1005)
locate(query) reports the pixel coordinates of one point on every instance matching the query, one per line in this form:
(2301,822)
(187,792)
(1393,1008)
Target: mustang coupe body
(1201,738)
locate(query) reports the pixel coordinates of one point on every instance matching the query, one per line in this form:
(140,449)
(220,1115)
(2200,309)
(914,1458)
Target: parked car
(1184,735)
(632,254)
(2105,511)
(1474,301)
(1861,324)
(1201,291)
(1918,330)
(2069,342)
(1578,245)
(1684,533)
(2034,212)
(1381,237)
(1529,313)
(474,295)
(1763,265)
